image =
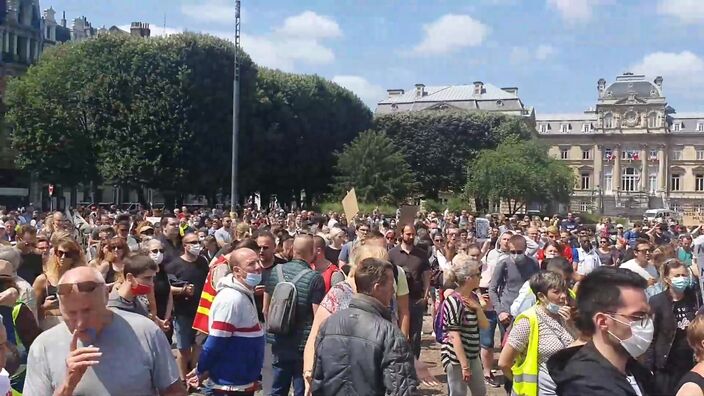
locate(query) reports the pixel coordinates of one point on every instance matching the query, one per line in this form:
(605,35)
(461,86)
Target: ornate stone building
(631,152)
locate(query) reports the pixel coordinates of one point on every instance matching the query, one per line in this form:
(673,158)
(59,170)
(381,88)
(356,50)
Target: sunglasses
(83,287)
(516,251)
(191,242)
(66,254)
(147,232)
(155,251)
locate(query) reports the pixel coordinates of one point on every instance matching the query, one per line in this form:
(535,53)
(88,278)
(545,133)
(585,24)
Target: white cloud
(682,72)
(293,43)
(450,33)
(688,11)
(370,93)
(310,25)
(212,11)
(540,53)
(544,51)
(156,30)
(574,10)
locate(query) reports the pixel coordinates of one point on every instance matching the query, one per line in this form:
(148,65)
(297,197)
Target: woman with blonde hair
(65,255)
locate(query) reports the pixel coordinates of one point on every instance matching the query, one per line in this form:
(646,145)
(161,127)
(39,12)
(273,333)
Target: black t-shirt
(184,272)
(415,264)
(333,255)
(162,289)
(30,267)
(681,354)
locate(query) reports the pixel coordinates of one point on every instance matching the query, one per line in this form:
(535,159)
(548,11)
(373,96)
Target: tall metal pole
(235,112)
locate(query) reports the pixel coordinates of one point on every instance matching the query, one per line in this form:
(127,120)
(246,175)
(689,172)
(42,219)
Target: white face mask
(640,339)
(157,257)
(195,249)
(4,382)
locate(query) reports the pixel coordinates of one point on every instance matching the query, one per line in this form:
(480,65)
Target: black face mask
(587,247)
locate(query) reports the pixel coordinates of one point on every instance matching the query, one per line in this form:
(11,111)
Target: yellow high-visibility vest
(525,369)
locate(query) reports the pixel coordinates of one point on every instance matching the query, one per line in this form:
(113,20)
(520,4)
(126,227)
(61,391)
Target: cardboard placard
(690,219)
(350,205)
(407,215)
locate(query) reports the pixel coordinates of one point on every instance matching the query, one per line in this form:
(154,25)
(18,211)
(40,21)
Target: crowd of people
(100,302)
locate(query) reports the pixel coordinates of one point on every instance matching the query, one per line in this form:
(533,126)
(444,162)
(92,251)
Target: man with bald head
(96,351)
(288,349)
(233,354)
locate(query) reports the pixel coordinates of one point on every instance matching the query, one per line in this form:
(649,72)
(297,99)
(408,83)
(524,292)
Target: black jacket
(665,327)
(359,351)
(582,370)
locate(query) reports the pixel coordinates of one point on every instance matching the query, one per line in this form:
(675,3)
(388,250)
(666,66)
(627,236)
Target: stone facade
(632,152)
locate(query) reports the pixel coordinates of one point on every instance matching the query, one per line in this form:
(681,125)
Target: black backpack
(284,301)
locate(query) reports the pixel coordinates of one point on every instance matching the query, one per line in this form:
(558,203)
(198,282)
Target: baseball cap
(619,225)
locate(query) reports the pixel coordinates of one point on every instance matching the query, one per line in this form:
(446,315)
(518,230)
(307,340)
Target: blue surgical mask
(680,283)
(553,308)
(253,279)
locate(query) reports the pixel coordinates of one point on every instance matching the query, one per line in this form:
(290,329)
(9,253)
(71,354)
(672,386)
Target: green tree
(519,173)
(375,167)
(438,145)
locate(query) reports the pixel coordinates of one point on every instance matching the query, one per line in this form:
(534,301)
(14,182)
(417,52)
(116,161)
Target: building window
(675,182)
(543,128)
(699,182)
(652,120)
(499,103)
(564,128)
(608,120)
(564,153)
(677,126)
(584,206)
(586,181)
(608,182)
(700,126)
(629,180)
(675,206)
(586,154)
(699,208)
(677,155)
(653,183)
(653,154)
(630,155)
(587,127)
(700,154)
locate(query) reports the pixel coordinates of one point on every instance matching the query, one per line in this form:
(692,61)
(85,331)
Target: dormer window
(652,120)
(564,128)
(587,127)
(700,126)
(543,128)
(394,107)
(608,120)
(677,126)
(499,103)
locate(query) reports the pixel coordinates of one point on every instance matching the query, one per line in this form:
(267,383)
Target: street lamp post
(235,112)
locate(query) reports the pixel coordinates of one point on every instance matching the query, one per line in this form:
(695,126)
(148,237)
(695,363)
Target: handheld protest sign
(350,205)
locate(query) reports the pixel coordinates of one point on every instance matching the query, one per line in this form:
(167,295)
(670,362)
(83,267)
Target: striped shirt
(456,317)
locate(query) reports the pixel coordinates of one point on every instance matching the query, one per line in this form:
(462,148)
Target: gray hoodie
(509,275)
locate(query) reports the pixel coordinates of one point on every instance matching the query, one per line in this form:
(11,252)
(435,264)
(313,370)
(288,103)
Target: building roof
(449,93)
(685,114)
(565,117)
(628,84)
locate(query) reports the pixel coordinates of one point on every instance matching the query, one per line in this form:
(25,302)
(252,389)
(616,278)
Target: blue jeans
(486,336)
(285,372)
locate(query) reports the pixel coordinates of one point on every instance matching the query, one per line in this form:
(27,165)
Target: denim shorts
(486,336)
(184,333)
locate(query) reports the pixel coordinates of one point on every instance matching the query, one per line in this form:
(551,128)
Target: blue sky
(554,51)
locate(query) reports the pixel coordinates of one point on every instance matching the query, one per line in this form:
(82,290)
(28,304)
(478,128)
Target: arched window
(608,120)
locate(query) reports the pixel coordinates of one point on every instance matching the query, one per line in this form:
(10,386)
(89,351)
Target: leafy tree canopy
(375,167)
(519,172)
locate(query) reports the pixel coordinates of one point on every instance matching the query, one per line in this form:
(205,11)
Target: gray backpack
(284,299)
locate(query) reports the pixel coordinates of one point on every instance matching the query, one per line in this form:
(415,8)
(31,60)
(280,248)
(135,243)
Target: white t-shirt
(649,272)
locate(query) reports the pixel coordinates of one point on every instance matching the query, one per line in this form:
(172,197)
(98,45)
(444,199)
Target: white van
(660,214)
